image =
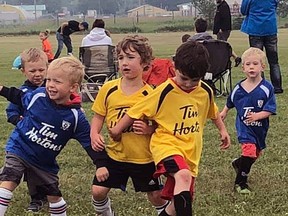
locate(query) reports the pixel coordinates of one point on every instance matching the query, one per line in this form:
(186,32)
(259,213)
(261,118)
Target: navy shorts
(140,174)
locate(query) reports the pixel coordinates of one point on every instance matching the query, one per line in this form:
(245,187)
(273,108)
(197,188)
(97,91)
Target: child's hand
(223,115)
(141,127)
(97,142)
(225,140)
(114,134)
(251,117)
(102,174)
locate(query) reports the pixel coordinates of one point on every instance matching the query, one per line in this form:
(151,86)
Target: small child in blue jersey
(254,101)
(53,116)
(34,66)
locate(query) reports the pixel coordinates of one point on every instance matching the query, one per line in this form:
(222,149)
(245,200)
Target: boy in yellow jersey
(131,156)
(180,107)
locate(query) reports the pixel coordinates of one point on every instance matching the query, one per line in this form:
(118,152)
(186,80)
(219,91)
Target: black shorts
(141,175)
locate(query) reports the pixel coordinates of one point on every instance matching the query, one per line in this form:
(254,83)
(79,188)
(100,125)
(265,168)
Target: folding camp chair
(218,75)
(100,66)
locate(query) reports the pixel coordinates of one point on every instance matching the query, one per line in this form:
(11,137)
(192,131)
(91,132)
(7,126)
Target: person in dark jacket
(222,21)
(202,34)
(63,35)
(260,24)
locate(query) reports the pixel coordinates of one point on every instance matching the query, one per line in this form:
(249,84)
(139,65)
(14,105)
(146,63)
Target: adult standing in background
(63,35)
(222,21)
(97,35)
(260,24)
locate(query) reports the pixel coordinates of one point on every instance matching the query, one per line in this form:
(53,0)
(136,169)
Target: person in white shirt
(97,35)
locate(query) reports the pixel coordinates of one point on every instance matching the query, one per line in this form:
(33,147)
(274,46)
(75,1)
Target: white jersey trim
(34,98)
(74,111)
(266,90)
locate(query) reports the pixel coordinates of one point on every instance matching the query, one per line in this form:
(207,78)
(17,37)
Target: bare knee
(183,176)
(9,185)
(99,193)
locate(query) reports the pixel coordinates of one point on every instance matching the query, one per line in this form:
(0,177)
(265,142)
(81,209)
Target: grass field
(214,194)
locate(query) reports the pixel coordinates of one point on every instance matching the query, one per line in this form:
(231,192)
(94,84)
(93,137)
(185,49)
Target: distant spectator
(185,37)
(63,35)
(260,24)
(46,45)
(98,35)
(201,34)
(222,21)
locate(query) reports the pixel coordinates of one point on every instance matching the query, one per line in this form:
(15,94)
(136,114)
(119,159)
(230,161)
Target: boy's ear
(74,87)
(22,70)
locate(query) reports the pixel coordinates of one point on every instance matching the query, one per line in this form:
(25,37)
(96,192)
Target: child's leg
(178,186)
(57,206)
(6,189)
(101,201)
(155,198)
(244,163)
(38,198)
(182,196)
(10,178)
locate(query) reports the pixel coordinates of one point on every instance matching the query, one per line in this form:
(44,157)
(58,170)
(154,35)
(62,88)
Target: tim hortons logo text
(46,139)
(248,110)
(121,112)
(188,112)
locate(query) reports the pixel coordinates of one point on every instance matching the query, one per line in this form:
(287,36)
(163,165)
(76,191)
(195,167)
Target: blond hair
(71,67)
(253,51)
(33,55)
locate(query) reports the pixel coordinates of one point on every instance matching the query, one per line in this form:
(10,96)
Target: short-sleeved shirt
(181,117)
(72,27)
(45,130)
(261,98)
(112,103)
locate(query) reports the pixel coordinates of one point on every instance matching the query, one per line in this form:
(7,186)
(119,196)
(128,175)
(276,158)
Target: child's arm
(255,116)
(14,113)
(12,94)
(225,138)
(224,112)
(116,131)
(97,140)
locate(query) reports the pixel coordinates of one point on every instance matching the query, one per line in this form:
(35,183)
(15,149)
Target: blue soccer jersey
(46,128)
(261,98)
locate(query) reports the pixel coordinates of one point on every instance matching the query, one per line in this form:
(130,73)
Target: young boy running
(254,101)
(131,156)
(52,117)
(34,66)
(180,107)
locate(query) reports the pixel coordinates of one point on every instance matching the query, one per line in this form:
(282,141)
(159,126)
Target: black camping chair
(100,66)
(218,75)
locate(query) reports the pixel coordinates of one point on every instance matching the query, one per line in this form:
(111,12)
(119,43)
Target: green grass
(214,194)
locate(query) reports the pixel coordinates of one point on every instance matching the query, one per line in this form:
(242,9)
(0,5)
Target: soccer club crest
(260,103)
(65,125)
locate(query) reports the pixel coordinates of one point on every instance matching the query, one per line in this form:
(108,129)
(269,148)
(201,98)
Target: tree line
(205,7)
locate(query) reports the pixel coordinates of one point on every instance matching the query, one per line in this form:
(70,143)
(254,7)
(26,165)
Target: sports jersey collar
(187,91)
(260,83)
(30,84)
(75,101)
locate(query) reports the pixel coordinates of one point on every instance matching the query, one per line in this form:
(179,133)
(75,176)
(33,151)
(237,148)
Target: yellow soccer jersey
(112,103)
(181,117)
